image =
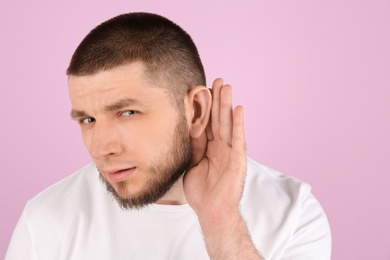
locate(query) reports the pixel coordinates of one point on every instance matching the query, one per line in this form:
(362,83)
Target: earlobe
(200,105)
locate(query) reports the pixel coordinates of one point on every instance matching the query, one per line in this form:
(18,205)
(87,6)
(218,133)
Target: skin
(120,140)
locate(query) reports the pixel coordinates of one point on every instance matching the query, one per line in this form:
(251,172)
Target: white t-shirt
(78,219)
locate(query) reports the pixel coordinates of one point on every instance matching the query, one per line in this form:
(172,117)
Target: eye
(128,112)
(87,120)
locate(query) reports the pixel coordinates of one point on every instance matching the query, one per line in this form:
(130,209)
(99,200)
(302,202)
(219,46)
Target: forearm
(229,240)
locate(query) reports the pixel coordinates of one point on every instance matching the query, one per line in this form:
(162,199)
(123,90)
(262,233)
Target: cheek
(148,137)
(86,139)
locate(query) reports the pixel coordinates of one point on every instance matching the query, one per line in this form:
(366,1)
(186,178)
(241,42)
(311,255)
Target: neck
(175,196)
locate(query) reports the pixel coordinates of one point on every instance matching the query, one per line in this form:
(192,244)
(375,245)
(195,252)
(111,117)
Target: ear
(198,107)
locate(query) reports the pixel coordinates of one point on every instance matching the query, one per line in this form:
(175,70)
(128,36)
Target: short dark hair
(169,54)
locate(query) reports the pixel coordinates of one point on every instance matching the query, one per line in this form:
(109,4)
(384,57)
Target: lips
(120,175)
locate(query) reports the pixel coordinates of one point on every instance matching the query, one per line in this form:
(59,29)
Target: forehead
(131,74)
(126,81)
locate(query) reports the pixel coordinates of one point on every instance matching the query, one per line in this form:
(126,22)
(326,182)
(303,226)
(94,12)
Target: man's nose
(105,141)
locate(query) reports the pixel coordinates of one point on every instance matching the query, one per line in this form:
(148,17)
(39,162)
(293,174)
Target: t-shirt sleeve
(21,246)
(312,236)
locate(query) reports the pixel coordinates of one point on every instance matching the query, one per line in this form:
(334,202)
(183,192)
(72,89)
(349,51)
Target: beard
(166,171)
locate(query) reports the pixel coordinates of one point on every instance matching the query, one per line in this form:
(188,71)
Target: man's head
(137,89)
(166,50)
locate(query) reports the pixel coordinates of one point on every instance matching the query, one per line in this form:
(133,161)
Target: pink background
(314,77)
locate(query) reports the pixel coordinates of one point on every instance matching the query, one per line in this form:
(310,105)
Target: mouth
(120,175)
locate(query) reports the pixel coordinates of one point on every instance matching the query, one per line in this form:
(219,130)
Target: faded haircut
(168,53)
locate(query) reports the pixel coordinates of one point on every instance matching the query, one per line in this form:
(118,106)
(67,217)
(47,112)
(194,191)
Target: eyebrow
(74,114)
(117,105)
(121,103)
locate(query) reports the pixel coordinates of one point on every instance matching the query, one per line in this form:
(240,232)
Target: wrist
(228,238)
(220,225)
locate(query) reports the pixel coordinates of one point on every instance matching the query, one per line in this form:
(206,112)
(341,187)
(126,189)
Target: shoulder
(270,189)
(264,181)
(50,219)
(67,194)
(282,209)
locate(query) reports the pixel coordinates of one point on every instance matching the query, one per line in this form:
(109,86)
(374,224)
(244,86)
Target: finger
(215,114)
(226,114)
(238,140)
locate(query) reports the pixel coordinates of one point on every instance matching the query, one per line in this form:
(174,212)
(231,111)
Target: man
(172,154)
